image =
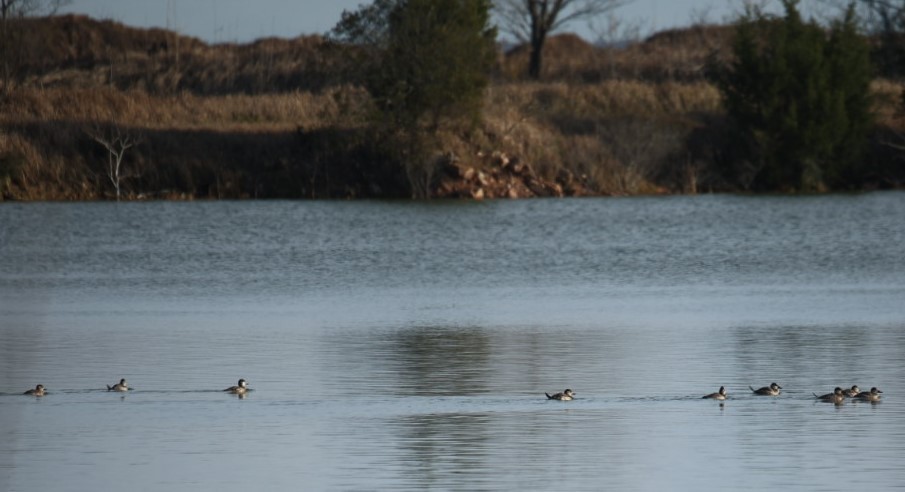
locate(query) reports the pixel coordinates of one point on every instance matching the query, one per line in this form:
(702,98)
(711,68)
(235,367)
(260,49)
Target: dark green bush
(799,99)
(426,64)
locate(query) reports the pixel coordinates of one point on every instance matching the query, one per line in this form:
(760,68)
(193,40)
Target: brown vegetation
(678,55)
(277,118)
(78,52)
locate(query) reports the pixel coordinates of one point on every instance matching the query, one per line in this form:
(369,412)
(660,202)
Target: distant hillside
(78,51)
(81,52)
(677,55)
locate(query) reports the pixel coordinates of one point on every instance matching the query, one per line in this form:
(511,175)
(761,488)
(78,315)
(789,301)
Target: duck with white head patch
(120,386)
(566,395)
(719,395)
(772,390)
(239,389)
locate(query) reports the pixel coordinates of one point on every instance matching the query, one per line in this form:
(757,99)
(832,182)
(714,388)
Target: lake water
(408,346)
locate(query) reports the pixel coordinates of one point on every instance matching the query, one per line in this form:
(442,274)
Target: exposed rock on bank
(503,176)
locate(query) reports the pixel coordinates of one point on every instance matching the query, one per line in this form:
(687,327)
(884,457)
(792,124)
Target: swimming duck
(566,395)
(872,395)
(837,396)
(240,389)
(772,390)
(853,392)
(120,386)
(38,391)
(719,395)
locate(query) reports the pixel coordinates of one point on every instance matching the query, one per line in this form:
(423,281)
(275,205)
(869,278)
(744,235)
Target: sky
(246,20)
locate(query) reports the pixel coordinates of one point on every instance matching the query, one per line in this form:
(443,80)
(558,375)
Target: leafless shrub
(117,141)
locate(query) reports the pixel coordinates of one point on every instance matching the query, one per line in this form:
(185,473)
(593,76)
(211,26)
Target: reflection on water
(420,361)
(408,346)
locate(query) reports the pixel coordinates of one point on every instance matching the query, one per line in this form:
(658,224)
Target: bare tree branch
(532,20)
(25,8)
(885,20)
(116,141)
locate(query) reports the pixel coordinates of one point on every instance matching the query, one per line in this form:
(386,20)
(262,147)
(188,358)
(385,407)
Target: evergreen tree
(426,64)
(884,21)
(799,98)
(851,72)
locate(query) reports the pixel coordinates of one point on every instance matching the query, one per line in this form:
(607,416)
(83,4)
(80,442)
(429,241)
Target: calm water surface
(407,346)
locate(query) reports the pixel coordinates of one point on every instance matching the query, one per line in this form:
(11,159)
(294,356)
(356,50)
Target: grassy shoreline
(274,119)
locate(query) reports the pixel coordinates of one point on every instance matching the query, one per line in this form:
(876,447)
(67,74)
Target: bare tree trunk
(537,52)
(532,20)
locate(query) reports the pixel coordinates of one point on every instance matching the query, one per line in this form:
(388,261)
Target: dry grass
(610,97)
(675,55)
(235,112)
(276,118)
(889,99)
(78,52)
(617,135)
(190,141)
